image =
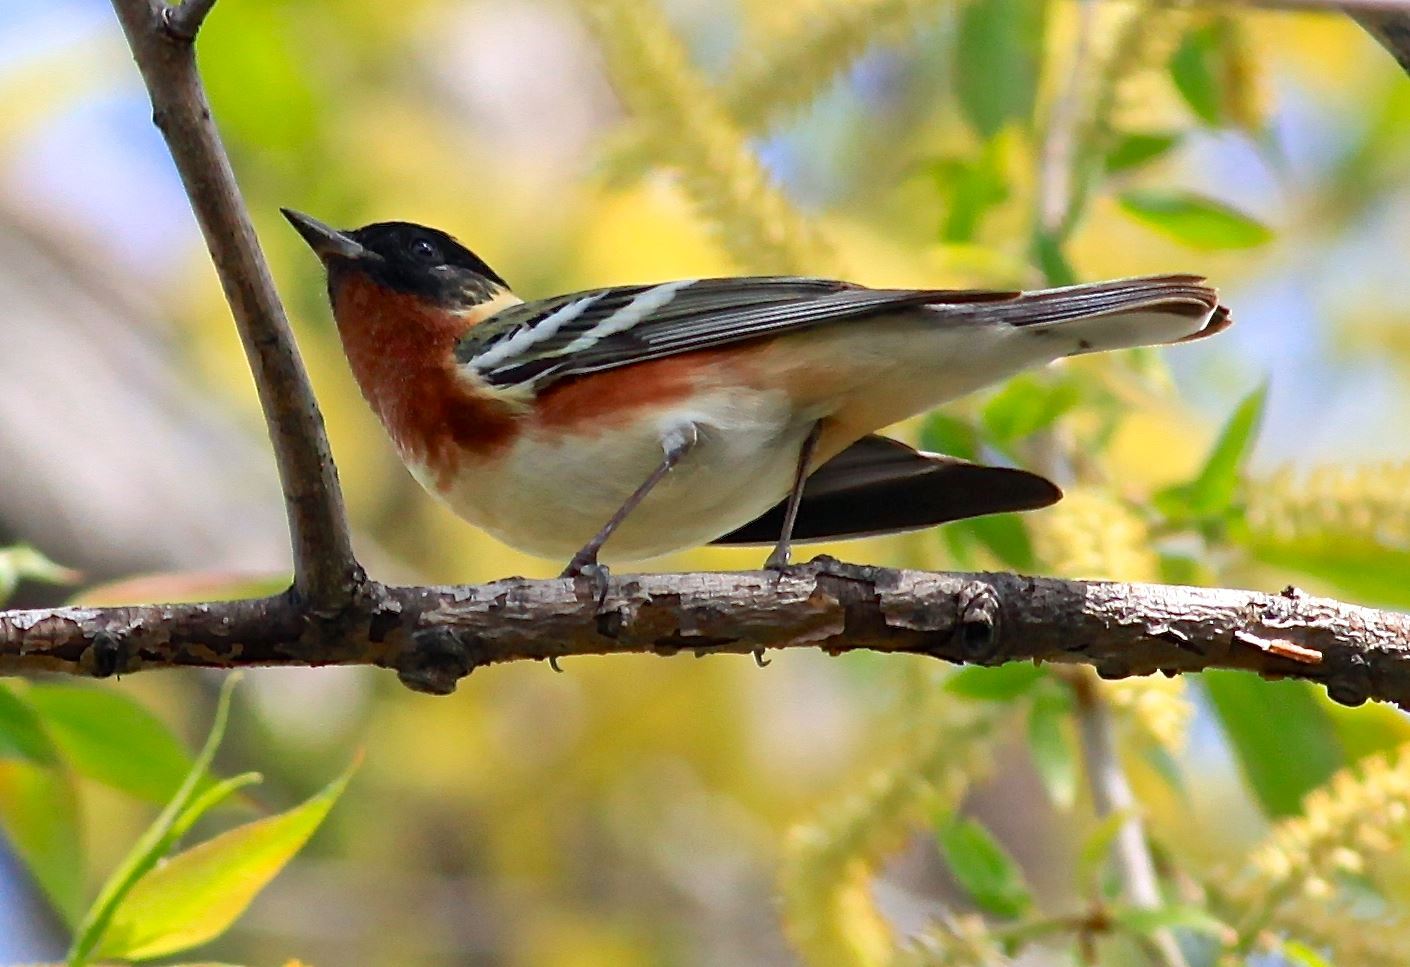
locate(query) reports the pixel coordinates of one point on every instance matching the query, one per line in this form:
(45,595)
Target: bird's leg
(677,444)
(783,550)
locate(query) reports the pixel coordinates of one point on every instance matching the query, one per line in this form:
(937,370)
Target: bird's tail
(1121,314)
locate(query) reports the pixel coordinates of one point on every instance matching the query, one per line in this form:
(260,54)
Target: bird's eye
(424,251)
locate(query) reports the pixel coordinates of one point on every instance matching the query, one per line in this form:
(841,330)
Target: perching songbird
(651,418)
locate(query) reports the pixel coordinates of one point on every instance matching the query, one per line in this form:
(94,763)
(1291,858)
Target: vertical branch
(162,42)
(1111,794)
(1055,174)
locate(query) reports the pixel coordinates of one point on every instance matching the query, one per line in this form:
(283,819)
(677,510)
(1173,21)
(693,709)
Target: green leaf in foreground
(157,841)
(1284,741)
(983,868)
(1194,220)
(197,894)
(97,730)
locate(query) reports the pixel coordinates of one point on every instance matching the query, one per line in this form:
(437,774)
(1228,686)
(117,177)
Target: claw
(599,575)
(760,660)
(779,559)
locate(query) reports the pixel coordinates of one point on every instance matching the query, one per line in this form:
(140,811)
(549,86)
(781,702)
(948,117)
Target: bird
(645,419)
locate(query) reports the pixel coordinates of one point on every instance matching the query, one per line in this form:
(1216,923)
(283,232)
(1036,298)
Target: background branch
(1112,795)
(325,571)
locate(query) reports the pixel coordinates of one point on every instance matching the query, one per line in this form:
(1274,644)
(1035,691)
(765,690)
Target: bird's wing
(881,486)
(539,342)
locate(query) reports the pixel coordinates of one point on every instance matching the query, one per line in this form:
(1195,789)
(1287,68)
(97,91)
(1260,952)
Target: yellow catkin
(827,908)
(1333,504)
(1359,817)
(689,130)
(804,55)
(1092,534)
(1160,706)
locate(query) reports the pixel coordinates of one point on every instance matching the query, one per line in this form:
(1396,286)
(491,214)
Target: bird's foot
(598,575)
(780,559)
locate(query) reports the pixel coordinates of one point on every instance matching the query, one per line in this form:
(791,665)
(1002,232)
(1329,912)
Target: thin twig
(183,21)
(325,572)
(1112,795)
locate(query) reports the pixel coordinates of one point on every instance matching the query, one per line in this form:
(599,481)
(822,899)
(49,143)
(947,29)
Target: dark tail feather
(881,486)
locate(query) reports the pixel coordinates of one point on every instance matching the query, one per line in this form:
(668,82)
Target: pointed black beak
(326,241)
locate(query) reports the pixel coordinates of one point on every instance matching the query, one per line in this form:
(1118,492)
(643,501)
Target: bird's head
(402,258)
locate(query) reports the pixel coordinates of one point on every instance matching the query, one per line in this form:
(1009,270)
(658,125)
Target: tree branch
(434,636)
(183,20)
(1111,795)
(325,572)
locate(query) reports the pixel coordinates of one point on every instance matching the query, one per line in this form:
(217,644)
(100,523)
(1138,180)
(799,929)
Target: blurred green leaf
(1164,765)
(1194,220)
(1135,149)
(983,868)
(1053,751)
(22,561)
(1281,736)
(39,814)
(997,684)
(997,55)
(1194,69)
(1177,917)
(1005,536)
(107,736)
(1027,404)
(946,434)
(22,734)
(256,60)
(197,894)
(1368,730)
(1097,845)
(1050,259)
(1180,568)
(1359,568)
(1212,491)
(156,841)
(1302,955)
(970,190)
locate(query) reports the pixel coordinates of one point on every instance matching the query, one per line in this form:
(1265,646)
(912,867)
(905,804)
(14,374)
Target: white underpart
(628,316)
(526,338)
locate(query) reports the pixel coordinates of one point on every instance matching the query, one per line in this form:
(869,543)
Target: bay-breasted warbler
(652,418)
